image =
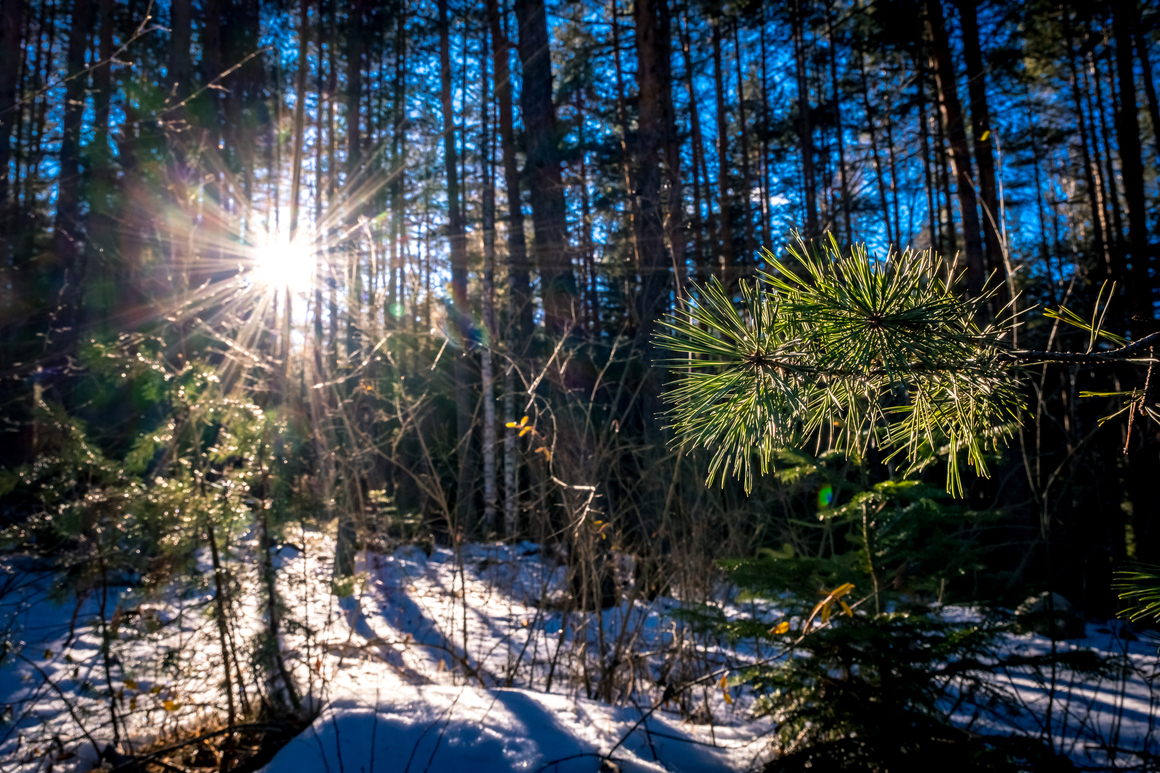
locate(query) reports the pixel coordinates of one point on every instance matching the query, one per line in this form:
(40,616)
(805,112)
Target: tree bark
(805,130)
(652,120)
(627,165)
(541,135)
(745,198)
(520,310)
(878,174)
(487,302)
(519,307)
(944,76)
(727,266)
(67,236)
(296,174)
(456,231)
(354,57)
(981,129)
(700,167)
(845,187)
(1090,168)
(11,17)
(1138,287)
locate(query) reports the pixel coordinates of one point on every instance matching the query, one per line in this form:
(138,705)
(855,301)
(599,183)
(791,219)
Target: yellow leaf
(523,421)
(156,689)
(170,705)
(525,431)
(826,612)
(846,608)
(725,692)
(780,628)
(133,703)
(511,424)
(986,134)
(131,684)
(842,590)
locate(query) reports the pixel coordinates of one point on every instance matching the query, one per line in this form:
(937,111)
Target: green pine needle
(843,350)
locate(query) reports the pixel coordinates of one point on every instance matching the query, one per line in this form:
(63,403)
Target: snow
(464,660)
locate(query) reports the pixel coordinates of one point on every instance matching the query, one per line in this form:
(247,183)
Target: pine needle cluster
(842,350)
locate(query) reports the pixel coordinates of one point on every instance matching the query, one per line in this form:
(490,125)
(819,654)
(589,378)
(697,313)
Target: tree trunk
(653,81)
(519,307)
(726,271)
(458,248)
(746,177)
(630,186)
(1090,168)
(295,177)
(354,57)
(927,161)
(944,77)
(1139,289)
(11,50)
(67,238)
(396,283)
(700,167)
(981,129)
(487,302)
(845,187)
(870,126)
(541,140)
(805,130)
(520,311)
(1149,86)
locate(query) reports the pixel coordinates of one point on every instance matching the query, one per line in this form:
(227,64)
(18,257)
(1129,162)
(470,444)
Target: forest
(585,385)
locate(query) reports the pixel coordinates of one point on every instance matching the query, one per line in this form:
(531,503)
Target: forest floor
(385,671)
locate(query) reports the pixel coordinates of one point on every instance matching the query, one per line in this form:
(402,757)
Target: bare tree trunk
(1113,196)
(870,126)
(487,302)
(11,50)
(460,309)
(700,167)
(675,209)
(519,308)
(67,237)
(354,57)
(1139,289)
(805,130)
(726,271)
(220,615)
(766,120)
(746,177)
(1149,86)
(396,289)
(981,129)
(944,76)
(1090,168)
(927,161)
(652,123)
(295,178)
(630,186)
(543,168)
(591,303)
(845,187)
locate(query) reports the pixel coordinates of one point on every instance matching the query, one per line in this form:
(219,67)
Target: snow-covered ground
(454,662)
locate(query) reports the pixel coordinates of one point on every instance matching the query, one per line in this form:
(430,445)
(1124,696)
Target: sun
(282,263)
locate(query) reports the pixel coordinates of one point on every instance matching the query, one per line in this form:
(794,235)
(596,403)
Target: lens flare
(282,263)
